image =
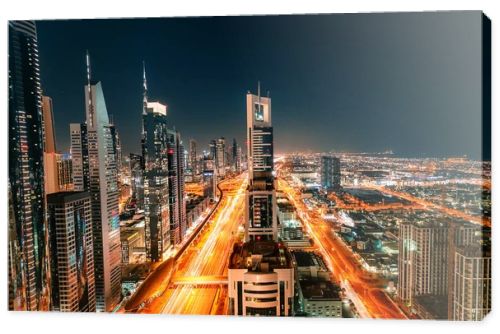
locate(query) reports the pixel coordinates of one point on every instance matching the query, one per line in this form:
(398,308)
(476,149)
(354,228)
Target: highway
(363,288)
(207,256)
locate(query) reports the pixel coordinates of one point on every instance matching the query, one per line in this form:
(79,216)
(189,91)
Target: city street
(365,290)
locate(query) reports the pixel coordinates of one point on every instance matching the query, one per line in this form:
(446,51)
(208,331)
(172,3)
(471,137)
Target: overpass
(200,280)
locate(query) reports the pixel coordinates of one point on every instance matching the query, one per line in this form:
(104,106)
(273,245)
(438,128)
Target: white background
(105,323)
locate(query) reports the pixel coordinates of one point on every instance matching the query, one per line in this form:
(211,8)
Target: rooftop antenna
(90,107)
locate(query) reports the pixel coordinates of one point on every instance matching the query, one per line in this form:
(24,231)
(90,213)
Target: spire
(145,86)
(87,59)
(258,89)
(90,108)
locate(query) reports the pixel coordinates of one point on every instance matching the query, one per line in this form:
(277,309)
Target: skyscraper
(156,180)
(221,156)
(51,177)
(117,147)
(236,156)
(50,156)
(261,215)
(330,173)
(28,251)
(193,158)
(80,156)
(104,197)
(137,179)
(48,120)
(65,172)
(213,149)
(176,187)
(72,257)
(156,176)
(260,274)
(423,263)
(209,177)
(471,283)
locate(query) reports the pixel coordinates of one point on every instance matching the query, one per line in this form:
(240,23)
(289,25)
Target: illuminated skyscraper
(156,176)
(423,258)
(261,273)
(176,187)
(80,156)
(137,179)
(117,147)
(209,177)
(28,251)
(193,158)
(213,149)
(65,172)
(330,173)
(236,156)
(104,198)
(261,215)
(72,257)
(156,180)
(221,156)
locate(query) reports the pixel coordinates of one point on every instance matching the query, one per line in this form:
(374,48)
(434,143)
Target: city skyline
(199,227)
(354,94)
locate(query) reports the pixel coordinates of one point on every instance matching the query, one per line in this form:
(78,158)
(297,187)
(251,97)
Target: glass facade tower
(28,247)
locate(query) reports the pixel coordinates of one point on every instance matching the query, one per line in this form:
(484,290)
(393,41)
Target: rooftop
(67,196)
(313,289)
(308,259)
(260,256)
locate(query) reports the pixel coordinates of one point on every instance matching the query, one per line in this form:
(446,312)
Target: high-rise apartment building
(261,209)
(471,283)
(423,260)
(104,193)
(72,252)
(28,251)
(330,173)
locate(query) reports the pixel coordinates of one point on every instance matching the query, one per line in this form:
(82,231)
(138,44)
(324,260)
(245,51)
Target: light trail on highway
(365,290)
(208,257)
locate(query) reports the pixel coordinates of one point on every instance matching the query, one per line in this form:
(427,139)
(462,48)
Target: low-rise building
(318,295)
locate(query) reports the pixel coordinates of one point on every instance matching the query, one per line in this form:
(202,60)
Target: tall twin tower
(260,214)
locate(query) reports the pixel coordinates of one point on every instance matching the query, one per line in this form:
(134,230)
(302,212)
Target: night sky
(357,82)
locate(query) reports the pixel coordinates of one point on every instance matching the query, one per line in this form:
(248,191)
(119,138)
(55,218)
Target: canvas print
(284,165)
